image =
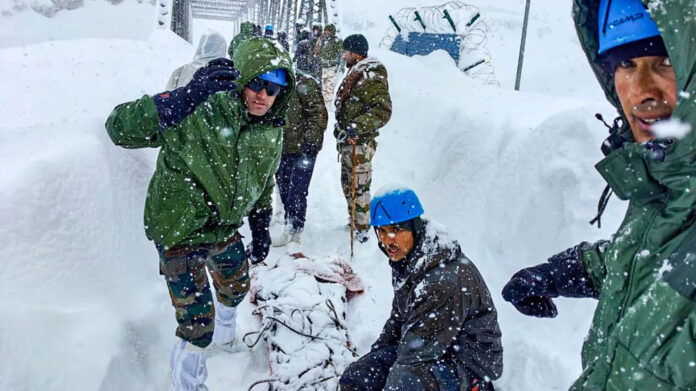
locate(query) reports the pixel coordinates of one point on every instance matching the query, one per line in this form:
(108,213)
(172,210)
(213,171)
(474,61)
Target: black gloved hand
(530,291)
(538,306)
(259,221)
(342,135)
(310,150)
(351,133)
(173,106)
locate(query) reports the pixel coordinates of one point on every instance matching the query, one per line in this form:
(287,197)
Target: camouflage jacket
(329,50)
(363,101)
(307,117)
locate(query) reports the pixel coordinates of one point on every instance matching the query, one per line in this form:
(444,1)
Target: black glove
(351,133)
(538,306)
(530,291)
(259,221)
(344,134)
(173,106)
(310,150)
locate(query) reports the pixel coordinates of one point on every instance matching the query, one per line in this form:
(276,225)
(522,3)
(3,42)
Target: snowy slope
(510,173)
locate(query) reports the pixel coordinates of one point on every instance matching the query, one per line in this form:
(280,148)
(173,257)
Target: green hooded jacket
(218,164)
(643,334)
(246,31)
(363,101)
(330,48)
(307,116)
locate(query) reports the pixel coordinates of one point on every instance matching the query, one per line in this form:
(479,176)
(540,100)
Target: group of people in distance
(228,128)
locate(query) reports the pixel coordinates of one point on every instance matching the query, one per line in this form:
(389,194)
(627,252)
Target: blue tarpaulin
(425,43)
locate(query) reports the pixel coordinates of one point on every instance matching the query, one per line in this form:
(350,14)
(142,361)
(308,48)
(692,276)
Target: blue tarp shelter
(425,43)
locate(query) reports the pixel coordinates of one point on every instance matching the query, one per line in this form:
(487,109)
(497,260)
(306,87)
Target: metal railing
(177,15)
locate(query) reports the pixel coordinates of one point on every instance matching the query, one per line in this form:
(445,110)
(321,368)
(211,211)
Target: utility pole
(522,44)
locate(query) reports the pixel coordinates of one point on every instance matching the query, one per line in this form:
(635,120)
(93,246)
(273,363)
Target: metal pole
(325,12)
(522,44)
(282,23)
(310,5)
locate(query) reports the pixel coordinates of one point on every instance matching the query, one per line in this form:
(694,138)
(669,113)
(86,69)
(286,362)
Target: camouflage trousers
(363,180)
(328,83)
(184,268)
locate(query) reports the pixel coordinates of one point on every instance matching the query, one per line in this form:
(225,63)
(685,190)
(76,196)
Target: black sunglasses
(272,89)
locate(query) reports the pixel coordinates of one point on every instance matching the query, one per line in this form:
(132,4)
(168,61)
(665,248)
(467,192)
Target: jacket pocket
(659,332)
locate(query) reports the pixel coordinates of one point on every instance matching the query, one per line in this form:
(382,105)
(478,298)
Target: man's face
(397,242)
(350,58)
(258,103)
(327,32)
(647,89)
(298,28)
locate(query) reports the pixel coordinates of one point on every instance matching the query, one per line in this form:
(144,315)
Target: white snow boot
(290,235)
(225,331)
(188,367)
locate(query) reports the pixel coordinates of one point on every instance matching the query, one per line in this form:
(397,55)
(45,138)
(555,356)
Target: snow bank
(21,25)
(510,174)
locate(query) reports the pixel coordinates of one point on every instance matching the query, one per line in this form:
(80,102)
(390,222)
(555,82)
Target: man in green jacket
(642,335)
(220,144)
(303,137)
(363,106)
(328,49)
(246,31)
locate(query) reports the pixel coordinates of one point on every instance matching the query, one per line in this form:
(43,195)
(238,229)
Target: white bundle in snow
(302,303)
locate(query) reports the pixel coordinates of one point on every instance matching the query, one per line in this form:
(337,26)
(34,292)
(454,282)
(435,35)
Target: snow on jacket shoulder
(442,309)
(218,164)
(363,101)
(642,335)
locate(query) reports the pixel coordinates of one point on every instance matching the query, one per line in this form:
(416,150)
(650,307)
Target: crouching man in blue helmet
(642,335)
(443,331)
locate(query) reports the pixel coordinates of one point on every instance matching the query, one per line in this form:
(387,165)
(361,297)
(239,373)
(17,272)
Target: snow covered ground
(510,173)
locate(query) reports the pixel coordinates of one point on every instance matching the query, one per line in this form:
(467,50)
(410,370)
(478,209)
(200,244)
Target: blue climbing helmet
(622,22)
(278,76)
(394,206)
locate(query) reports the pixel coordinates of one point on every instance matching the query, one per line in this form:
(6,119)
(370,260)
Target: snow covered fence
(455,27)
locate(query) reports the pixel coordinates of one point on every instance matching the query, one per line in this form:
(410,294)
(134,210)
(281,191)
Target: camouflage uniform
(329,50)
(363,106)
(363,180)
(184,270)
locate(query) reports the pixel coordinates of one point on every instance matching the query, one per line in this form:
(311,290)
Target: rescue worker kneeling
(443,331)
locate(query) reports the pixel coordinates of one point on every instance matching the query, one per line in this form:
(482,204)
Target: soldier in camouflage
(363,106)
(328,49)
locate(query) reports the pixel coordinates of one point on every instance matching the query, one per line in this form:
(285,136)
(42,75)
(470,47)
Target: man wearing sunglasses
(220,140)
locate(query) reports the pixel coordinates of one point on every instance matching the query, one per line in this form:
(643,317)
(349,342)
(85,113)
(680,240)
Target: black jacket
(442,309)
